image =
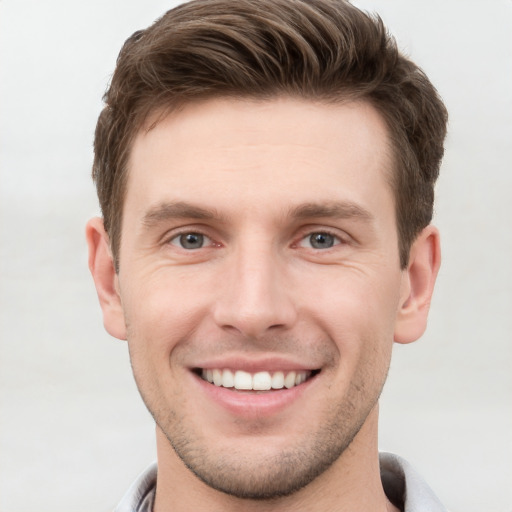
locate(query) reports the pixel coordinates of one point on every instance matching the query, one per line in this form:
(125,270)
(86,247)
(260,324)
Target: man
(265,170)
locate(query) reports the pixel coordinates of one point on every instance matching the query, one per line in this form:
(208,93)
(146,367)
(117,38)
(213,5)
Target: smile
(259,381)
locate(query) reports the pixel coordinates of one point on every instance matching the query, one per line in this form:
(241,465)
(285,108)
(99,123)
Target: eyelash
(337,240)
(176,240)
(178,236)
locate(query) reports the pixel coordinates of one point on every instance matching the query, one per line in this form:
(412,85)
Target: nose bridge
(254,296)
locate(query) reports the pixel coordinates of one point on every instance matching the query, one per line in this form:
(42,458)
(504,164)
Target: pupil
(191,241)
(321,240)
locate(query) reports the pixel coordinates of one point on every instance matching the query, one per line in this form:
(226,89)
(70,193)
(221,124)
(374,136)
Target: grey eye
(322,240)
(190,240)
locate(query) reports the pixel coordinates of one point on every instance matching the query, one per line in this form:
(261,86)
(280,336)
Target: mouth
(259,381)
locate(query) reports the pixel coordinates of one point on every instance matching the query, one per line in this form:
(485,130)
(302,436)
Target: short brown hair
(323,50)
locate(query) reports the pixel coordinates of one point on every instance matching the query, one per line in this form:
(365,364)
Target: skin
(256,180)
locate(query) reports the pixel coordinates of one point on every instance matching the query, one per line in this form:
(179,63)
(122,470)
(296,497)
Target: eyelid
(174,234)
(340,238)
(208,242)
(307,238)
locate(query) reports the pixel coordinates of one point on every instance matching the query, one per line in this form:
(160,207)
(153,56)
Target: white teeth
(217,377)
(289,380)
(260,381)
(243,380)
(228,379)
(300,378)
(278,380)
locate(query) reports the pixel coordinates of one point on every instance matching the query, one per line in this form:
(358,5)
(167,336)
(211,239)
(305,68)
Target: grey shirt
(402,484)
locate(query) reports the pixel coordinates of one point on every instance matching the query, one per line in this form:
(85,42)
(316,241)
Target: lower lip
(252,405)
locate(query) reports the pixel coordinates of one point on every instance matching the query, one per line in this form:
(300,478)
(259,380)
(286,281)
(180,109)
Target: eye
(320,240)
(191,241)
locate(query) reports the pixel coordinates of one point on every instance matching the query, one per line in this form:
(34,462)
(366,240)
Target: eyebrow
(183,210)
(177,210)
(334,209)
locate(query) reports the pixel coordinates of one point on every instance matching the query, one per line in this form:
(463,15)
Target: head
(322,50)
(265,171)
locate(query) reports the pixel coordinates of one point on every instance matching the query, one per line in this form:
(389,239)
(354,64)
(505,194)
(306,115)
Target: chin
(265,471)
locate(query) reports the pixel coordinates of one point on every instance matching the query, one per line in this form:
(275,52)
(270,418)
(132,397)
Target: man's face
(259,249)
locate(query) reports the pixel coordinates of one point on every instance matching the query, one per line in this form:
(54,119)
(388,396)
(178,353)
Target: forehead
(223,151)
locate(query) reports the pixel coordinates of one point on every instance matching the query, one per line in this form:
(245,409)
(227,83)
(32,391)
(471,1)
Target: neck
(352,483)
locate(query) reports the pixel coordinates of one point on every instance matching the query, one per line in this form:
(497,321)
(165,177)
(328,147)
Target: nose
(255,296)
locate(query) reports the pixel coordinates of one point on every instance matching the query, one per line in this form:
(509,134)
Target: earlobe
(418,285)
(101,265)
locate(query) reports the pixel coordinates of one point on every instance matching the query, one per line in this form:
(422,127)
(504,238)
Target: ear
(418,285)
(101,265)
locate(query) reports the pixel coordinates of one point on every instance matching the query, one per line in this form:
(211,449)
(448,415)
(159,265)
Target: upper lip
(256,363)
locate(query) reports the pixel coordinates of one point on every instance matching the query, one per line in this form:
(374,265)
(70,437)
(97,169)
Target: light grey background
(73,431)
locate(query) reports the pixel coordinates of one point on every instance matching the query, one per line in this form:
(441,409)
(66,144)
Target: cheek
(152,337)
(353,298)
(162,302)
(358,314)
(162,311)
